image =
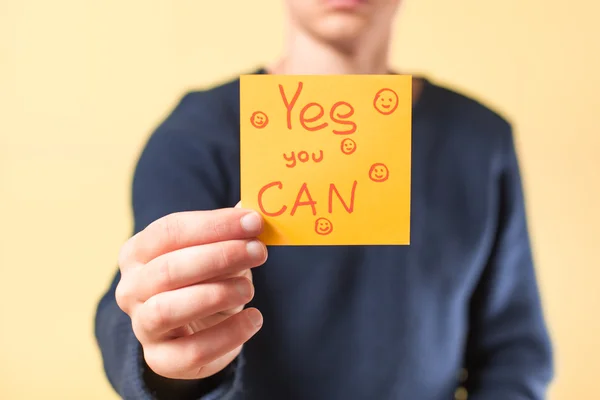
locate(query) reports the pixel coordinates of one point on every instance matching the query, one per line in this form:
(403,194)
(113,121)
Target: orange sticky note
(327,159)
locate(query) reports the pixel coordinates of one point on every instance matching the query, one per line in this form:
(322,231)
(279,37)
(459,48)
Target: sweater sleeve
(509,354)
(180,169)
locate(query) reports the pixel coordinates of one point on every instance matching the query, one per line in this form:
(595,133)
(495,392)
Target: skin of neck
(305,54)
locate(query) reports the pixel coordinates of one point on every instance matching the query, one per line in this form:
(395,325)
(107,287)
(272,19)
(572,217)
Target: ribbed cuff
(230,387)
(132,381)
(134,386)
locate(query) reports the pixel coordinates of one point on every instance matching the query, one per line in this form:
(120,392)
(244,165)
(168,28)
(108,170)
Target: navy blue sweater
(358,322)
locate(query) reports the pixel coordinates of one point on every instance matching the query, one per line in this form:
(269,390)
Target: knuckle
(164,277)
(220,228)
(155,316)
(136,326)
(123,296)
(224,256)
(152,361)
(171,225)
(158,362)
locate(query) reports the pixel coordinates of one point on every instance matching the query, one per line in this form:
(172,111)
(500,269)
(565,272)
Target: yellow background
(381,210)
(83,82)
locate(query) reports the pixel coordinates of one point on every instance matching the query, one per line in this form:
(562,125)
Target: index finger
(192,228)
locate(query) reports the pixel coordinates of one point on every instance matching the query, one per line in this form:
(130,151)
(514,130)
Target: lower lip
(345,4)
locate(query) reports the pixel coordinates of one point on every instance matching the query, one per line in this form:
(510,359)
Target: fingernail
(243,288)
(255,317)
(251,222)
(256,250)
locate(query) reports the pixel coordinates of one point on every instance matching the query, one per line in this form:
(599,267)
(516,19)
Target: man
(189,317)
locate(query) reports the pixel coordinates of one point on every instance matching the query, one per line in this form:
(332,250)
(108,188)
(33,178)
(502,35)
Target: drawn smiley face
(348,146)
(379,172)
(323,226)
(386,101)
(259,119)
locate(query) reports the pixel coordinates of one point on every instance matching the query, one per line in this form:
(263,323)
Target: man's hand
(184,282)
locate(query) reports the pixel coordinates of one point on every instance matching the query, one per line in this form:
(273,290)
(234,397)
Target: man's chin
(342,31)
(344,41)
